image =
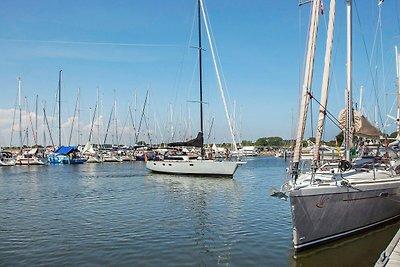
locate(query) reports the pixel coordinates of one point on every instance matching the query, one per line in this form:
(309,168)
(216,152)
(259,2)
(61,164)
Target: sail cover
(197,142)
(362,127)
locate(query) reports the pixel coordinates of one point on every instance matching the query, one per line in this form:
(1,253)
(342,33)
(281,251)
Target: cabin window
(191,164)
(384,194)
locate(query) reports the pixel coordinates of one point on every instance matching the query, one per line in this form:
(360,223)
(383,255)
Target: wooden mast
(308,73)
(325,81)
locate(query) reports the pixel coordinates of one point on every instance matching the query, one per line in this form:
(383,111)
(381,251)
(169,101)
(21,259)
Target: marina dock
(390,257)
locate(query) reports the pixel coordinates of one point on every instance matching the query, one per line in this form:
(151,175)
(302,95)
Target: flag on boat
(322,8)
(380,2)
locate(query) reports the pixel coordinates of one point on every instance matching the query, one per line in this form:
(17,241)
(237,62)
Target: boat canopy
(65,150)
(362,127)
(197,142)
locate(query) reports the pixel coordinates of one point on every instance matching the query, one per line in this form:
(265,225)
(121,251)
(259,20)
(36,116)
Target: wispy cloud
(88,43)
(88,51)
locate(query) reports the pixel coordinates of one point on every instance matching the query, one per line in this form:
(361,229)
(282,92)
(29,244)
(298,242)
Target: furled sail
(197,142)
(362,127)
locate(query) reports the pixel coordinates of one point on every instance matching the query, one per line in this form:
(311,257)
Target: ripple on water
(120,214)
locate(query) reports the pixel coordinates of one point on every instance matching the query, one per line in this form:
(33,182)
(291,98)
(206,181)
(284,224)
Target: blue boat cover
(65,150)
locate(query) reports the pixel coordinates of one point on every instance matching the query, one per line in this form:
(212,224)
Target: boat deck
(390,257)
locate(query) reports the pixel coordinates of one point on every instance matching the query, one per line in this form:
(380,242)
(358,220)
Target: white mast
(98,114)
(308,73)
(325,80)
(218,77)
(20,113)
(348,135)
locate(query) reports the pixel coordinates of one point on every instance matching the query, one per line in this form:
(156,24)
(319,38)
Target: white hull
(112,159)
(194,167)
(7,162)
(29,161)
(330,210)
(95,160)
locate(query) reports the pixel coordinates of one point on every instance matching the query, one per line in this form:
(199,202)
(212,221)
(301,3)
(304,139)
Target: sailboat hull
(194,167)
(324,213)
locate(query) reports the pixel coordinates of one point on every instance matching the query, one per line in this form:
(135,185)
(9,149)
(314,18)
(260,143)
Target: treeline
(276,141)
(273,141)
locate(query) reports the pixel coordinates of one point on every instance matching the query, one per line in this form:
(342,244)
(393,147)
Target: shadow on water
(359,250)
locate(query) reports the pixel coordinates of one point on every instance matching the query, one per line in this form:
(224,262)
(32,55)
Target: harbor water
(119,214)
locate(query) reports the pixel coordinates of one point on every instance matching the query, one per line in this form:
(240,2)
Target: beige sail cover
(362,127)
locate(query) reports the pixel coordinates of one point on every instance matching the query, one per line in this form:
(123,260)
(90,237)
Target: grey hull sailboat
(334,200)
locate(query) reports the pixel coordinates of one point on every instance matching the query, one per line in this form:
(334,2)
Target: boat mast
(308,73)
(20,113)
(59,108)
(199,4)
(36,117)
(398,92)
(348,135)
(325,81)
(200,72)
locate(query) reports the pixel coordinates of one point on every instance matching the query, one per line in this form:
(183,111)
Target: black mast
(200,71)
(59,108)
(200,75)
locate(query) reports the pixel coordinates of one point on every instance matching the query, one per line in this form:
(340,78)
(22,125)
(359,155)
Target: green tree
(270,141)
(393,135)
(246,143)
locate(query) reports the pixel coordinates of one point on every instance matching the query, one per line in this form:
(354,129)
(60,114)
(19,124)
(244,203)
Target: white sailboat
(200,165)
(336,200)
(7,159)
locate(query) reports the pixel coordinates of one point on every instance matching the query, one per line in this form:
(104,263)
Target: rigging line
(383,65)
(13,124)
(108,126)
(329,115)
(48,127)
(178,77)
(30,120)
(92,122)
(123,129)
(311,116)
(374,86)
(219,64)
(73,120)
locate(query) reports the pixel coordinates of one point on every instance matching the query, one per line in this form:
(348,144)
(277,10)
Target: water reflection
(359,250)
(213,208)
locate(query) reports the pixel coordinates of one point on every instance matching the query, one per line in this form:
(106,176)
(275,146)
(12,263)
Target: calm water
(120,214)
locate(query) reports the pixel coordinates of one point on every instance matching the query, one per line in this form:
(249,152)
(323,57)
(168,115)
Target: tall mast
(200,67)
(59,108)
(325,81)
(349,131)
(308,73)
(36,115)
(20,113)
(398,91)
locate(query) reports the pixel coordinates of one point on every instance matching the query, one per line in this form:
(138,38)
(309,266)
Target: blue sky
(124,47)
